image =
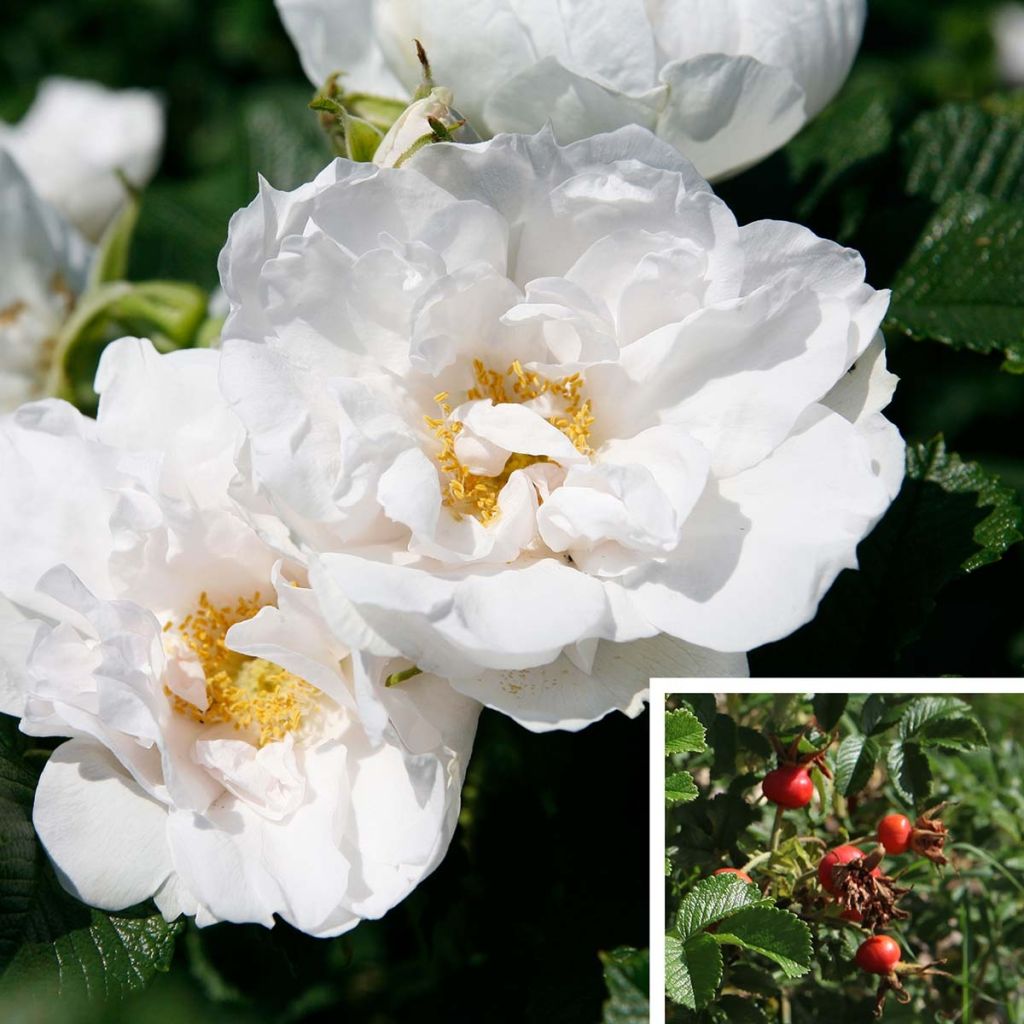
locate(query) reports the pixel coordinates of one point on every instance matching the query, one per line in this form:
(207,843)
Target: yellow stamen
(252,693)
(468,493)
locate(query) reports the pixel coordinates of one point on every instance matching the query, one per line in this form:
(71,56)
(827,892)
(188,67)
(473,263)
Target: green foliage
(776,934)
(683,732)
(914,750)
(683,735)
(627,975)
(855,761)
(693,965)
(966,147)
(964,282)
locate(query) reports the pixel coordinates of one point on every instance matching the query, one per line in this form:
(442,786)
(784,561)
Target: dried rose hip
(928,836)
(839,855)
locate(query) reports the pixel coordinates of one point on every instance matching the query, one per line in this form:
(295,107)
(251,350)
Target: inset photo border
(837,854)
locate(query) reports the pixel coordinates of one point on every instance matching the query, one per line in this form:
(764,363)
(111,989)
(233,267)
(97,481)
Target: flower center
(252,693)
(468,493)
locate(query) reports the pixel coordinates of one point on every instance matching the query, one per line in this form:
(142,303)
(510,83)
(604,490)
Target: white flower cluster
(516,423)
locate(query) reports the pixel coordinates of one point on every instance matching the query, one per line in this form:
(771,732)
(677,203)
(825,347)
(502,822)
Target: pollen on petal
(253,694)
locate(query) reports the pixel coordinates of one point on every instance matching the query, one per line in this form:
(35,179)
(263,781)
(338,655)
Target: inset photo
(838,857)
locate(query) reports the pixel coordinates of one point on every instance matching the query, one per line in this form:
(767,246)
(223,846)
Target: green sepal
(111,260)
(361,138)
(169,313)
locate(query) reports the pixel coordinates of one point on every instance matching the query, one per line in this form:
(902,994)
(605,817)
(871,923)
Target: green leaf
(712,899)
(880,712)
(963,284)
(828,157)
(680,788)
(828,709)
(950,518)
(776,934)
(965,147)
(627,977)
(942,722)
(76,951)
(855,761)
(910,772)
(693,970)
(49,942)
(1001,528)
(683,732)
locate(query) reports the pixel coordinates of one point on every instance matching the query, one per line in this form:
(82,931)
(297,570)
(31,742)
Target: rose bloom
(549,421)
(75,141)
(45,268)
(726,81)
(227,756)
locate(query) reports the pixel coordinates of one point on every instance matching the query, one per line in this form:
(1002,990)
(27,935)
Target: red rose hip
(788,786)
(734,871)
(894,832)
(878,955)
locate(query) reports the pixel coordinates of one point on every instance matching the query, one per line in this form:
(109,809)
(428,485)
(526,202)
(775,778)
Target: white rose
(229,758)
(77,137)
(553,420)
(726,81)
(45,267)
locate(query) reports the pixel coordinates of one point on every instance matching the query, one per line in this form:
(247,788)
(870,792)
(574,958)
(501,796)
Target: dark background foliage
(549,866)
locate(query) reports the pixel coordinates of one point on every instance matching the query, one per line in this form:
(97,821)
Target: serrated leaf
(910,772)
(829,708)
(680,788)
(51,944)
(626,976)
(76,951)
(880,712)
(711,899)
(950,518)
(1000,528)
(776,934)
(963,284)
(683,732)
(855,761)
(964,147)
(693,970)
(942,721)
